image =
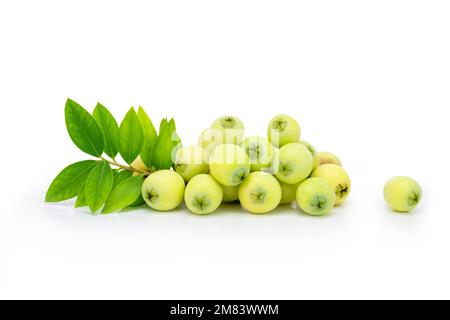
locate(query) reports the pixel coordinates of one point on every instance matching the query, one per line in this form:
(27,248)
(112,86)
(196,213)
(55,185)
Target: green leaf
(121,176)
(150,137)
(139,202)
(83,129)
(131,137)
(69,182)
(99,185)
(164,147)
(162,144)
(124,194)
(81,199)
(109,127)
(176,140)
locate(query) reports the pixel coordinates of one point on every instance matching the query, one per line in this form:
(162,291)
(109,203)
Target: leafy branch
(105,182)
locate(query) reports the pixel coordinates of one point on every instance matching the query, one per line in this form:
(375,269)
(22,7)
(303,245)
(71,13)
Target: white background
(368,80)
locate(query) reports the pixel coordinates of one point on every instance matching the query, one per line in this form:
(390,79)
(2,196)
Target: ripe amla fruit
(288,192)
(313,152)
(229,164)
(209,139)
(338,178)
(163,190)
(231,129)
(261,154)
(191,161)
(260,192)
(282,130)
(402,194)
(203,194)
(296,163)
(230,194)
(329,158)
(315,196)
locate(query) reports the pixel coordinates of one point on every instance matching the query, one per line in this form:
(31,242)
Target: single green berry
(191,161)
(402,194)
(229,164)
(288,192)
(296,163)
(315,196)
(163,190)
(261,153)
(338,178)
(313,152)
(329,158)
(231,129)
(282,130)
(260,193)
(210,139)
(203,194)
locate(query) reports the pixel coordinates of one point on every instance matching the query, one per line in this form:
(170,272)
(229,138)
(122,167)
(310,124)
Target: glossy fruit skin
(288,192)
(230,194)
(231,128)
(313,152)
(402,194)
(329,158)
(315,196)
(296,163)
(191,161)
(163,190)
(203,194)
(282,130)
(229,164)
(260,193)
(209,139)
(338,179)
(261,153)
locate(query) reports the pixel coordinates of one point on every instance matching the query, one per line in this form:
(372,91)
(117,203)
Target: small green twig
(127,168)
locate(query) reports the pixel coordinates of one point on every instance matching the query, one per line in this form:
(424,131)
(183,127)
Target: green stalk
(128,168)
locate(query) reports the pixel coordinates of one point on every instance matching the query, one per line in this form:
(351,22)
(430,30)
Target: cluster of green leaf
(105,183)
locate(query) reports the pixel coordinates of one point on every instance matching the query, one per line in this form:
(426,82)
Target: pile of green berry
(260,173)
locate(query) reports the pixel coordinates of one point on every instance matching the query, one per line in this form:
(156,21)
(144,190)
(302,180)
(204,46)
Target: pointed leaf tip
(131,137)
(83,129)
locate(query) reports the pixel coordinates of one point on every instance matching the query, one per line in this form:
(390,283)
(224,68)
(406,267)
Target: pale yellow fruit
(282,130)
(260,193)
(139,165)
(231,128)
(210,139)
(296,163)
(329,158)
(203,194)
(163,190)
(315,196)
(191,161)
(402,194)
(313,152)
(288,192)
(229,164)
(338,179)
(261,154)
(230,194)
